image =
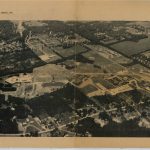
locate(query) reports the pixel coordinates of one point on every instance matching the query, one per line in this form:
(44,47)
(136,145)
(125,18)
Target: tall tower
(20,28)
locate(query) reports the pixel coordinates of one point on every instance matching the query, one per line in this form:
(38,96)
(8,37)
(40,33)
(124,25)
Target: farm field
(103,63)
(130,48)
(72,51)
(138,68)
(122,60)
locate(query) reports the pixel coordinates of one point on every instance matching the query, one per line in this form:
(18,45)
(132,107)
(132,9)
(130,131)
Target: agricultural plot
(44,52)
(130,48)
(69,52)
(102,63)
(89,88)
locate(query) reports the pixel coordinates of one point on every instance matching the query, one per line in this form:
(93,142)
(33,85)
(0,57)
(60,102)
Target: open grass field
(137,68)
(72,51)
(103,63)
(130,48)
(88,89)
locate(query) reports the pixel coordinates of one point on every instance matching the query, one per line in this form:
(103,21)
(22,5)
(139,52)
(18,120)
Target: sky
(137,10)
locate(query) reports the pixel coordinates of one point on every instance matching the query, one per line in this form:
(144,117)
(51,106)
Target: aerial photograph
(74,78)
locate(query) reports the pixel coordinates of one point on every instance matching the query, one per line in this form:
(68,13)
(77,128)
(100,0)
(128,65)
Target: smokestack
(20,28)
